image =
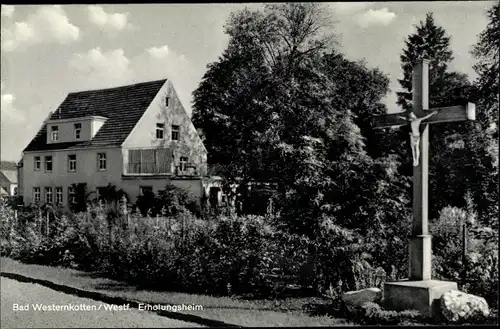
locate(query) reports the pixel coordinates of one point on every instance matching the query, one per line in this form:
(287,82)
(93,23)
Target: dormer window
(78,130)
(160,130)
(55,133)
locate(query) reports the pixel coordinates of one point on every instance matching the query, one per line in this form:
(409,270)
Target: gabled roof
(122,106)
(10,175)
(8,165)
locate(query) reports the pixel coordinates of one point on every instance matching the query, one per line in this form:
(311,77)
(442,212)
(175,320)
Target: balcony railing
(147,168)
(135,168)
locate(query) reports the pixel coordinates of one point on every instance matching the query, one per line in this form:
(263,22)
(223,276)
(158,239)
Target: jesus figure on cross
(415,134)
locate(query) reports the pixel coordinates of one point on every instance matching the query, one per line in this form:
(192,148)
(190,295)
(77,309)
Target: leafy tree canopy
(281,105)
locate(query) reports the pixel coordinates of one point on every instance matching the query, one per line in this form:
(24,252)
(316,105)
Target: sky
(48,51)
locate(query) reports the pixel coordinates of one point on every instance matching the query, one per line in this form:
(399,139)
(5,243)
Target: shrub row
(223,255)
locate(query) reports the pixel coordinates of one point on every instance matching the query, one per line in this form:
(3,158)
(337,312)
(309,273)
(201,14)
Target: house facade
(8,178)
(137,137)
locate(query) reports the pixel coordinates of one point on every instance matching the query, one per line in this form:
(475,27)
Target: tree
(458,150)
(267,107)
(486,51)
(431,42)
(476,158)
(360,90)
(262,45)
(282,106)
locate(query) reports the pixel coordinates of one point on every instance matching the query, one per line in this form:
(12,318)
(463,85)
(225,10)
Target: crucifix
(419,119)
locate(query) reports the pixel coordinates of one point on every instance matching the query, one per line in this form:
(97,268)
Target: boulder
(354,299)
(458,306)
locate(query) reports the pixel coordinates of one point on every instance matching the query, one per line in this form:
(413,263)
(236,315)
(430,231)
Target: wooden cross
(420,240)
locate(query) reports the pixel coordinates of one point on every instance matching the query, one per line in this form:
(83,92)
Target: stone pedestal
(416,295)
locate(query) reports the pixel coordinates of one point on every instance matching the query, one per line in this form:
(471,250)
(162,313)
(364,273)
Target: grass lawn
(306,311)
(230,310)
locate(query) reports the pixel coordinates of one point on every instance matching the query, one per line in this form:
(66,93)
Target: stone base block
(416,295)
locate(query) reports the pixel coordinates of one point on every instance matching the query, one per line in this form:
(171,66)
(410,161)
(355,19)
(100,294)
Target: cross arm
(453,113)
(389,120)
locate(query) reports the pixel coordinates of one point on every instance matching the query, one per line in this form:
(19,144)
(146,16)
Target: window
(36,194)
(37,163)
(55,133)
(183,163)
(78,130)
(72,162)
(101,161)
(145,189)
(48,195)
(160,129)
(166,101)
(71,194)
(15,190)
(59,195)
(48,163)
(175,132)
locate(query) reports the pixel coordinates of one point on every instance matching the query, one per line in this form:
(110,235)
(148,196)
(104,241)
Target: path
(14,292)
(216,312)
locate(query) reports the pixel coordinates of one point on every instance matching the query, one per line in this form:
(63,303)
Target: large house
(136,137)
(8,178)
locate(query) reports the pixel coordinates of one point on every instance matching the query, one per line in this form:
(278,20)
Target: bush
(14,202)
(221,255)
(479,275)
(173,200)
(446,232)
(373,314)
(337,251)
(111,194)
(81,197)
(168,202)
(146,203)
(482,275)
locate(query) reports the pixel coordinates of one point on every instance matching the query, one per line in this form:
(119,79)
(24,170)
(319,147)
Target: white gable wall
(144,133)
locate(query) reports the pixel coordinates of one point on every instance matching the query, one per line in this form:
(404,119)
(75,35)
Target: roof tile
(123,106)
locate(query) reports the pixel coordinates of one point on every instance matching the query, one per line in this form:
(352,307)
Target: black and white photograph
(277,164)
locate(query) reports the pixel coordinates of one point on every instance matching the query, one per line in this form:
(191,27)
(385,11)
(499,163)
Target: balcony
(148,168)
(154,168)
